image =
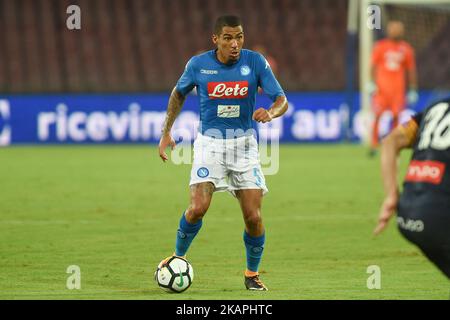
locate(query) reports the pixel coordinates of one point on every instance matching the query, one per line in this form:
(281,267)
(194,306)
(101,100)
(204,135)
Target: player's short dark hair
(226,21)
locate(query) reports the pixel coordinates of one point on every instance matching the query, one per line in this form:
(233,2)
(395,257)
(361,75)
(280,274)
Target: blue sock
(186,233)
(254,247)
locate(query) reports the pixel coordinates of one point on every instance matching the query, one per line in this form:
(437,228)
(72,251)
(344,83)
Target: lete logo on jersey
(228,90)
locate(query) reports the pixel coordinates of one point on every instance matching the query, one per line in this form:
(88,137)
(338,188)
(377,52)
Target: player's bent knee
(197,211)
(253,220)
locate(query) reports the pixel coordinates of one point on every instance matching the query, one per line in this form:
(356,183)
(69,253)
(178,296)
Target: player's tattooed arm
(277,109)
(176,102)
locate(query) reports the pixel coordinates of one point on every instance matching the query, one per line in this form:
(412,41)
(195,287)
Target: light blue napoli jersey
(227,92)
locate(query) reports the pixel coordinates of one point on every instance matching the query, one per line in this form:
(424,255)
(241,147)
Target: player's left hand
(388,208)
(262,115)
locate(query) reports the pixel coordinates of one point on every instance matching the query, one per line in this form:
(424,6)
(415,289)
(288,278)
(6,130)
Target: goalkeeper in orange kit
(393,65)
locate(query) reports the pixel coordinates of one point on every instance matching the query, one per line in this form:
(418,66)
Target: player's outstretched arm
(277,109)
(390,150)
(175,104)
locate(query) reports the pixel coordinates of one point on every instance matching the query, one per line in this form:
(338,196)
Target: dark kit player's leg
(254,235)
(440,256)
(191,220)
(427,226)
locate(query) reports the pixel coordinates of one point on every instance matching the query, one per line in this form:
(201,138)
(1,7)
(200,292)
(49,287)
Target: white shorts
(230,164)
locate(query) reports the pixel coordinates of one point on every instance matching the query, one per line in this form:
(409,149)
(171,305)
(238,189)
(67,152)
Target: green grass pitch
(114,210)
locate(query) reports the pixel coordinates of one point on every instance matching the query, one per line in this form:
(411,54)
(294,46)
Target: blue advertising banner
(86,119)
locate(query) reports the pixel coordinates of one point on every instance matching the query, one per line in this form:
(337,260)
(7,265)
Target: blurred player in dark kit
(424,205)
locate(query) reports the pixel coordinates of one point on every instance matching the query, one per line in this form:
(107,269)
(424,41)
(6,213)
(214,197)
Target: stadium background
(142,46)
(121,65)
(138,49)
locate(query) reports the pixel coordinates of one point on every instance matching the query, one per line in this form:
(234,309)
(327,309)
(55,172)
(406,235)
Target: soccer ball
(174,275)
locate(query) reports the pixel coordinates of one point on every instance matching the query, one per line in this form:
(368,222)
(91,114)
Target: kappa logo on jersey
(204,71)
(228,90)
(425,171)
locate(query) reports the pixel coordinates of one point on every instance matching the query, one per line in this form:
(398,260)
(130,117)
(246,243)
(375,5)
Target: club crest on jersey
(245,70)
(228,90)
(203,172)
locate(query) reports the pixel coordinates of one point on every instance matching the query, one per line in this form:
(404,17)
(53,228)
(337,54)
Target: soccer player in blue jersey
(226,153)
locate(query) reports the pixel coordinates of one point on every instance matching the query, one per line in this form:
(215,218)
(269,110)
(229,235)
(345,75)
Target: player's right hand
(166,141)
(388,208)
(262,115)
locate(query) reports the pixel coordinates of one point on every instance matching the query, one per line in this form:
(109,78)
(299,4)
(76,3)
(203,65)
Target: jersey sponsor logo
(411,225)
(228,111)
(393,60)
(425,171)
(204,71)
(228,90)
